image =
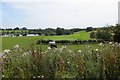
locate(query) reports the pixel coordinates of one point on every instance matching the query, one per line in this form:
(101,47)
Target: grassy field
(26,41)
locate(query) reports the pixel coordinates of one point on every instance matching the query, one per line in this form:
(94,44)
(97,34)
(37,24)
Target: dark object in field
(52,44)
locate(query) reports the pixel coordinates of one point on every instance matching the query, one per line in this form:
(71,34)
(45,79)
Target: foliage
(89,29)
(103,35)
(117,37)
(116,32)
(47,31)
(102,63)
(92,35)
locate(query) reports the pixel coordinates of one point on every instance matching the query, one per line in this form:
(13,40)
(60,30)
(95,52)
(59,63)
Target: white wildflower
(4,57)
(64,47)
(6,51)
(119,44)
(26,53)
(68,62)
(42,76)
(88,46)
(100,44)
(46,51)
(79,51)
(3,75)
(73,54)
(34,77)
(116,43)
(38,76)
(35,51)
(110,42)
(96,49)
(16,46)
(49,48)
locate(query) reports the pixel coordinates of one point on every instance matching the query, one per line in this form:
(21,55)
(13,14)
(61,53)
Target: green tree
(59,31)
(116,37)
(92,35)
(103,35)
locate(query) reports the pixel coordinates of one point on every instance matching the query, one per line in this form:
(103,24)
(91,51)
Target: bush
(103,35)
(117,37)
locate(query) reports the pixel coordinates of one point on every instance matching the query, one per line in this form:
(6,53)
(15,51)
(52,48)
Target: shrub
(117,37)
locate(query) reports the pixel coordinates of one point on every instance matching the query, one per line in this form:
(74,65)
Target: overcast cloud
(58,13)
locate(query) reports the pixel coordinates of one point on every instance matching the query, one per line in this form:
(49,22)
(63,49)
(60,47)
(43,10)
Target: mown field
(27,41)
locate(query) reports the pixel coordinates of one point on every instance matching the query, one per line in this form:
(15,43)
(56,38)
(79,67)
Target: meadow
(63,63)
(24,59)
(26,41)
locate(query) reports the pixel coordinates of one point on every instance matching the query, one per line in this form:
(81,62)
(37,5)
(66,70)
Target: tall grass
(102,63)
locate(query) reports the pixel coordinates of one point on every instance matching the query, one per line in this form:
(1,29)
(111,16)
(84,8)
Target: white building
(119,12)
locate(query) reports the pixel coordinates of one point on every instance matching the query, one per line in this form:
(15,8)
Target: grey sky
(59,13)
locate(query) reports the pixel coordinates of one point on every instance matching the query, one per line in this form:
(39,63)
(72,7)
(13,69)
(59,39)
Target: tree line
(48,31)
(110,33)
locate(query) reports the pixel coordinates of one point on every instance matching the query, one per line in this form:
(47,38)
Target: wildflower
(34,77)
(69,51)
(79,51)
(6,51)
(45,51)
(26,53)
(42,76)
(16,46)
(88,46)
(100,44)
(4,57)
(73,54)
(38,76)
(96,49)
(49,48)
(42,52)
(119,44)
(3,75)
(113,44)
(116,43)
(68,62)
(110,42)
(64,47)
